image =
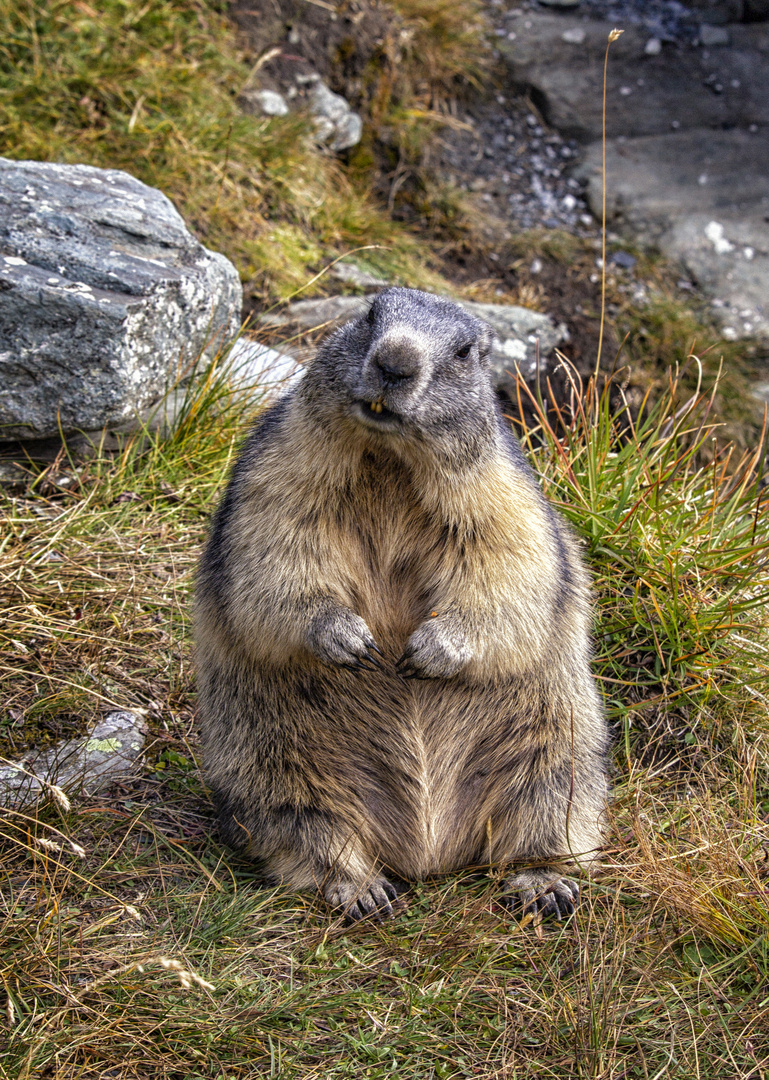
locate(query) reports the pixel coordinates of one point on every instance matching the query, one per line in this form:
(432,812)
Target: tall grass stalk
(613,36)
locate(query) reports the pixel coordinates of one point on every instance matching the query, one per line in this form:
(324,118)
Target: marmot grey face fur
(415,369)
(393,630)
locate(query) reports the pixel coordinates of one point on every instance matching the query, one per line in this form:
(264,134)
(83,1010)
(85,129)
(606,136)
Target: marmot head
(416,366)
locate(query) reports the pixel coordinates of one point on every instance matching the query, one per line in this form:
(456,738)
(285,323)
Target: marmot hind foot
(541,892)
(358,900)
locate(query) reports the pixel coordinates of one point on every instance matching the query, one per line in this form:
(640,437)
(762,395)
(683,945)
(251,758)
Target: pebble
(713,35)
(623,259)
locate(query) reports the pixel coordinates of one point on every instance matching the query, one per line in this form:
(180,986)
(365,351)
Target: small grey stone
(308,314)
(335,122)
(710,36)
(623,259)
(348,132)
(83,765)
(256,370)
(271,102)
(352,273)
(525,339)
(324,102)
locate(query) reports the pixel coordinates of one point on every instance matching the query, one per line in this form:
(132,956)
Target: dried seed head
(49,845)
(186,977)
(60,797)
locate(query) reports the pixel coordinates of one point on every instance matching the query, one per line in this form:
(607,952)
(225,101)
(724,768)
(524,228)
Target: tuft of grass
(440,51)
(132,943)
(675,525)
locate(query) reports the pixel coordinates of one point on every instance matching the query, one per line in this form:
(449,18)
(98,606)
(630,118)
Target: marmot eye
(370,316)
(464,351)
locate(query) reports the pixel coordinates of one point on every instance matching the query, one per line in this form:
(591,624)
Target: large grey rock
(560,61)
(652,181)
(86,765)
(728,258)
(525,339)
(104,294)
(268,102)
(702,197)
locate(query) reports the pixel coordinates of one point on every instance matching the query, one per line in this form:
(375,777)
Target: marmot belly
(433,777)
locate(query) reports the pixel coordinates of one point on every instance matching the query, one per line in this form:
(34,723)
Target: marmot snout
(393,630)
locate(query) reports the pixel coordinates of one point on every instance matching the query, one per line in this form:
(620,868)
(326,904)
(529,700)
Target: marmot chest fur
(392,630)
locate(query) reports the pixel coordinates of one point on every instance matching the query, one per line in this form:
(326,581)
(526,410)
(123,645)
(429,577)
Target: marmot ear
(486,343)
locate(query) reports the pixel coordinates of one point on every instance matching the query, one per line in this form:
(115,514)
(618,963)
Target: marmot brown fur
(393,630)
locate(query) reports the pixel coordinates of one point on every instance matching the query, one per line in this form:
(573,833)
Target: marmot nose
(395,368)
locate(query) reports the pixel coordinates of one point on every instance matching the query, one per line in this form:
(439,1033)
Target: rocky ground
(687,126)
(520,155)
(688,133)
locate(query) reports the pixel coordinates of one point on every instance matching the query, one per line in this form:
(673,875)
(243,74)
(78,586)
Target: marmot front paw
(342,638)
(434,651)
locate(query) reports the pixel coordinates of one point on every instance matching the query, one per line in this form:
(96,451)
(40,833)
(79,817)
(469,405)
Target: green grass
(675,526)
(148,949)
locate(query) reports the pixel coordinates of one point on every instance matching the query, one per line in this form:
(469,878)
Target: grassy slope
(662,973)
(151,87)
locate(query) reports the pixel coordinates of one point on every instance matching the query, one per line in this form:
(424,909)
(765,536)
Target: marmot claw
(357,901)
(541,892)
(342,638)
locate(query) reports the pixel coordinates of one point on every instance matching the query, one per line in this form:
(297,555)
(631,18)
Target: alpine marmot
(393,631)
